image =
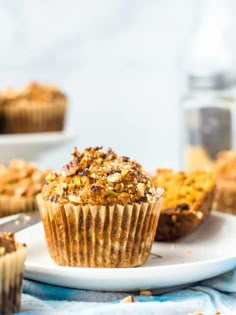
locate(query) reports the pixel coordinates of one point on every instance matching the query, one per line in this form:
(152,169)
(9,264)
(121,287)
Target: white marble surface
(119,62)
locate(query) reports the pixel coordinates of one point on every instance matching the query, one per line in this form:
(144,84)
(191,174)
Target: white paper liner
(11,205)
(11,276)
(99,236)
(33,118)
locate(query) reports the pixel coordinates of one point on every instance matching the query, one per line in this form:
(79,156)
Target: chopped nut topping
(100,177)
(141,188)
(7,243)
(21,179)
(114,178)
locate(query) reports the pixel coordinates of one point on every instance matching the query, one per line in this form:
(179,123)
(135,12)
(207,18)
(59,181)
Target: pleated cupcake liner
(33,118)
(97,235)
(11,277)
(11,205)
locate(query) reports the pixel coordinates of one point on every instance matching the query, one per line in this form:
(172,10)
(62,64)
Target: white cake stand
(34,145)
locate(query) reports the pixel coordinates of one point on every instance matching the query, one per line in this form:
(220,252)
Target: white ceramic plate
(31,146)
(206,253)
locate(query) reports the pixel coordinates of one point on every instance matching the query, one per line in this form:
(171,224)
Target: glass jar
(208,120)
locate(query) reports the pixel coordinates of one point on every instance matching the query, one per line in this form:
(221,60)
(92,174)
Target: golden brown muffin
(36,108)
(20,182)
(225,168)
(187,202)
(12,257)
(99,211)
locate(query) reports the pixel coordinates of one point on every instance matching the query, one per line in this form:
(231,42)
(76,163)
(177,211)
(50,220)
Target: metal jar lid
(216,81)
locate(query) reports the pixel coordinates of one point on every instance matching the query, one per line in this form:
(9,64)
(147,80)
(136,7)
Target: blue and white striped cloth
(208,297)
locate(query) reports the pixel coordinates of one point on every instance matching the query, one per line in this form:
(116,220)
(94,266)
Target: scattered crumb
(128,299)
(199,215)
(156,255)
(146,292)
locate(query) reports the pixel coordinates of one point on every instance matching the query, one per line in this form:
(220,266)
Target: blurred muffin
(36,108)
(187,202)
(225,168)
(12,257)
(99,211)
(20,182)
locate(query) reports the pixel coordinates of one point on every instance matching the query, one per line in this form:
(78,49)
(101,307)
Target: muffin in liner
(188,200)
(37,108)
(99,235)
(225,169)
(34,118)
(11,276)
(20,182)
(225,199)
(100,210)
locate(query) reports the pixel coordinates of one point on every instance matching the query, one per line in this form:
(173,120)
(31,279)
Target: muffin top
(7,243)
(99,177)
(182,189)
(43,94)
(21,178)
(225,165)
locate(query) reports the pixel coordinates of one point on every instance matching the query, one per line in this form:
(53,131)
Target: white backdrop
(119,62)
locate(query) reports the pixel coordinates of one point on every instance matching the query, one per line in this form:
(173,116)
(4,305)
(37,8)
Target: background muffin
(188,199)
(12,257)
(36,108)
(225,168)
(20,182)
(99,211)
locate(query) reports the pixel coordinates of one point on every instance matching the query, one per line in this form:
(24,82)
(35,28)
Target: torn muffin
(187,203)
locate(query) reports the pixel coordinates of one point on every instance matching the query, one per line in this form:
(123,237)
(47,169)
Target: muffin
(99,211)
(12,257)
(225,168)
(20,182)
(188,199)
(36,108)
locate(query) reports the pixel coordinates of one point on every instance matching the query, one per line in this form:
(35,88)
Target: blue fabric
(210,296)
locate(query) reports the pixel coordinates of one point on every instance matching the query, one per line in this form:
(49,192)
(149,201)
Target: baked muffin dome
(99,177)
(33,92)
